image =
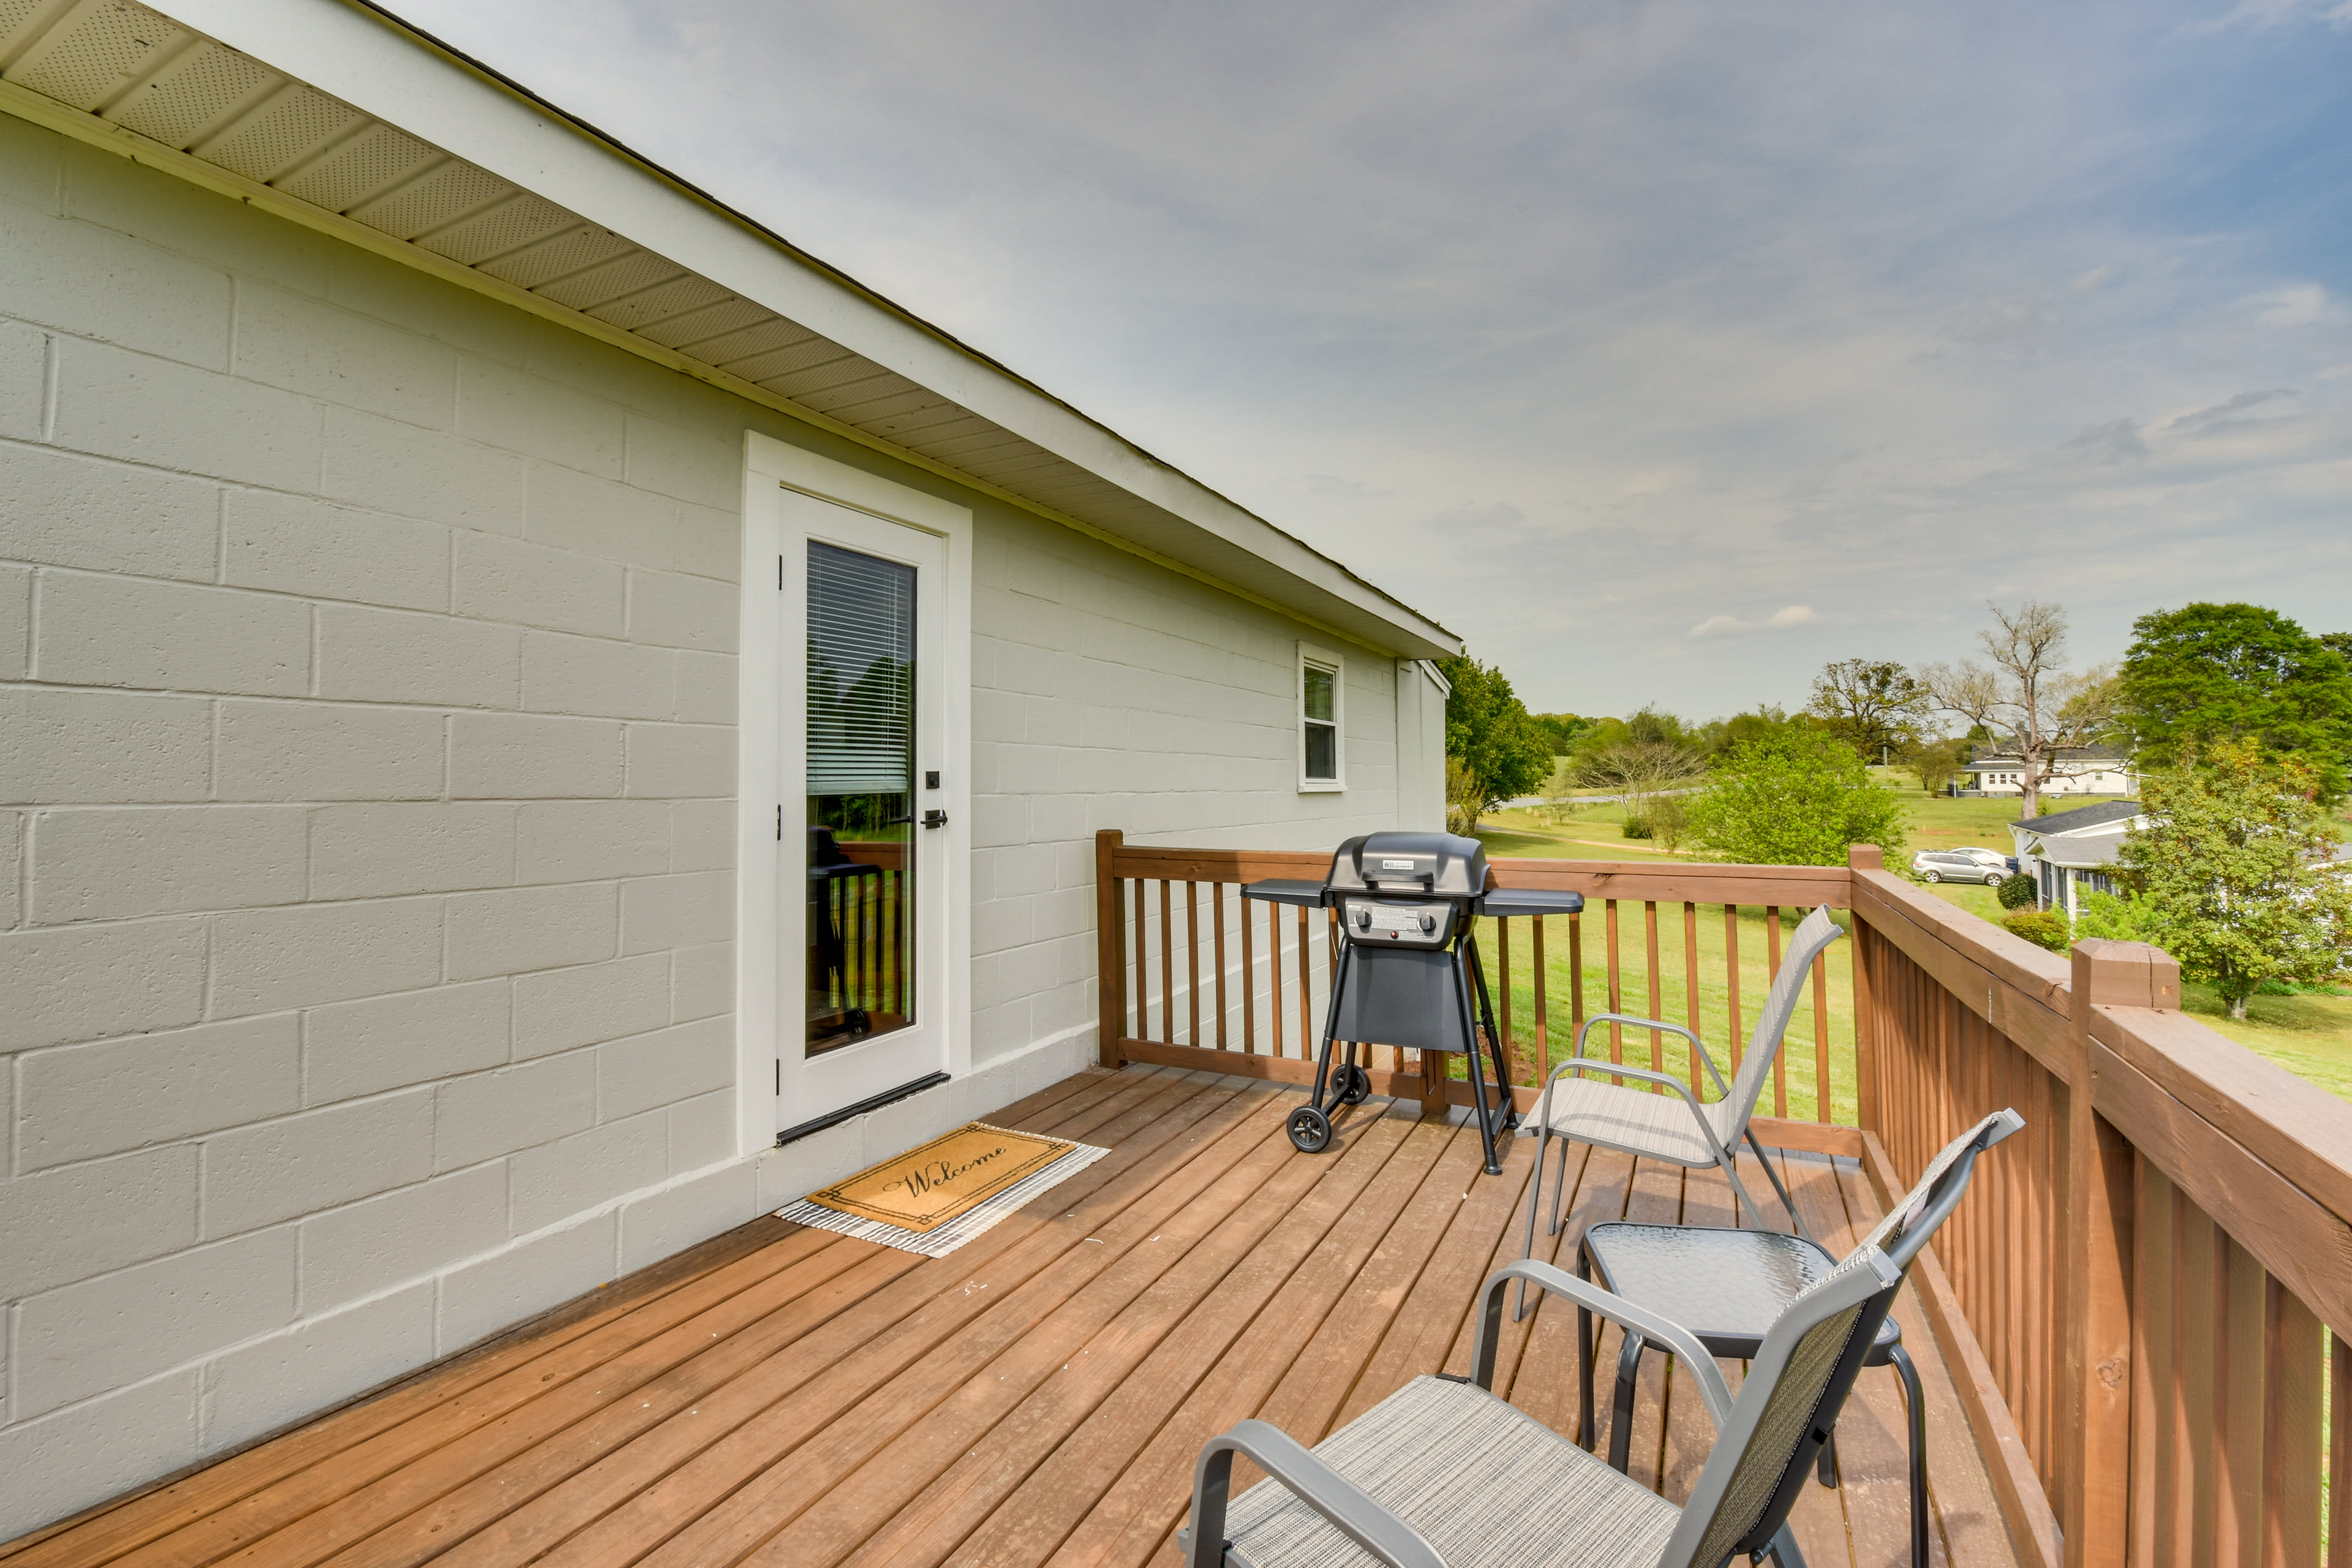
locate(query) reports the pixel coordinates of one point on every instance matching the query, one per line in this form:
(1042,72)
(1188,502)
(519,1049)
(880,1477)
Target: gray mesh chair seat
(1442,1474)
(1480,1481)
(1727,1288)
(1631,1121)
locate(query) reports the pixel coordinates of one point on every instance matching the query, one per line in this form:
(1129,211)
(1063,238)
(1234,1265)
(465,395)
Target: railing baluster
(1822,1038)
(1650,934)
(1193,957)
(1249,980)
(1771,977)
(1274,976)
(2293,1353)
(1543,1041)
(1503,972)
(1690,983)
(1731,983)
(1217,923)
(1142,961)
(1575,981)
(1306,1035)
(1616,996)
(2339,1452)
(1167,963)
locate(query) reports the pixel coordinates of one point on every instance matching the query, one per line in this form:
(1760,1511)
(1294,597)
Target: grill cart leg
(1310,1125)
(1470,1041)
(1510,1105)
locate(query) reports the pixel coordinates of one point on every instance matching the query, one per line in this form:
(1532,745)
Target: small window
(1321,689)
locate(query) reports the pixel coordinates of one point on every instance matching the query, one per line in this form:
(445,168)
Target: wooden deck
(795,1399)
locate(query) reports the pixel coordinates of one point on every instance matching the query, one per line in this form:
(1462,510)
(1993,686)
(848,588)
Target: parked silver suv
(1986,866)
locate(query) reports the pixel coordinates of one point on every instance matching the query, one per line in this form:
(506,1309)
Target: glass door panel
(861,925)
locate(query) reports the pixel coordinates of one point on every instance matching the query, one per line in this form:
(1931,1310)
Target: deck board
(792,1397)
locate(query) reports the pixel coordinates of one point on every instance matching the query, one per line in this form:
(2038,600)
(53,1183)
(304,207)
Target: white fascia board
(370,62)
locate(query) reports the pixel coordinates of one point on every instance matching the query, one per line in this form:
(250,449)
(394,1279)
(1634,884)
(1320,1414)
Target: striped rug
(944,1237)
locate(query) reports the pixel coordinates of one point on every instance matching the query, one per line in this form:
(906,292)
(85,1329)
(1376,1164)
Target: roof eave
(477,114)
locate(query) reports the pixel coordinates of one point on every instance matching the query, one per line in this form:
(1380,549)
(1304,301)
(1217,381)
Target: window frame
(1322,659)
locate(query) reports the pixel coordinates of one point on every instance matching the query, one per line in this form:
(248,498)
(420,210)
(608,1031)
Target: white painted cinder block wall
(367,696)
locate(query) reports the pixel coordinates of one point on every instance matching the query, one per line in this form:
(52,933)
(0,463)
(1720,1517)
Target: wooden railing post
(1110,950)
(2095,1381)
(1861,858)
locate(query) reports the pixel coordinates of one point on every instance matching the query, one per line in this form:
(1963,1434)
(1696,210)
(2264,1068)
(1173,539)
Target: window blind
(861,673)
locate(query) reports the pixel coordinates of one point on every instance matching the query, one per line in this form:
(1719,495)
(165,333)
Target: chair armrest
(1697,1043)
(1350,1508)
(1658,1330)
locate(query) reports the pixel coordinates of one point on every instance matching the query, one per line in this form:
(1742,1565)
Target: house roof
(2082,816)
(2062,754)
(344,118)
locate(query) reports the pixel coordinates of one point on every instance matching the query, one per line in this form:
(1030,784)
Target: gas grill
(1408,973)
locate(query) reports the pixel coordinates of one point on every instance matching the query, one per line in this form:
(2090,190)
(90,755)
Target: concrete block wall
(367,702)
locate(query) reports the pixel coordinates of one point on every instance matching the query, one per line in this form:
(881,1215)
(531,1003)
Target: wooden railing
(2141,1301)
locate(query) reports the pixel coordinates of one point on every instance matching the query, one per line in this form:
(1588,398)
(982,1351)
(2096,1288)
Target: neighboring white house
(477,619)
(2073,770)
(2069,853)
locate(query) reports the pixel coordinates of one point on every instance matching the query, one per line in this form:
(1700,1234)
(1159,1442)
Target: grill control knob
(1428,924)
(1363,920)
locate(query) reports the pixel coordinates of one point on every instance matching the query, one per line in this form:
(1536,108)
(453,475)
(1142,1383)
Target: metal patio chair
(1728,1287)
(1442,1474)
(1678,1128)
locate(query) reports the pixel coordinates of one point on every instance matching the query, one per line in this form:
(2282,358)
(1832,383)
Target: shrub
(1794,797)
(2016,892)
(2041,927)
(2236,860)
(1637,827)
(2120,916)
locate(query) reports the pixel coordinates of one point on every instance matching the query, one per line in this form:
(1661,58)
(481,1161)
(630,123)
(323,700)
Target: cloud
(1332,487)
(2223,415)
(2296,305)
(1735,305)
(1780,620)
(2119,442)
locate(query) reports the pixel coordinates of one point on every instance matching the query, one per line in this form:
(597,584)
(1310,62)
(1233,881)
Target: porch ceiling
(306,107)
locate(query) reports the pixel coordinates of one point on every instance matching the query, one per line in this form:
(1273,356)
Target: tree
(1564,730)
(1504,749)
(1873,705)
(2025,693)
(1641,771)
(2235,869)
(1794,797)
(1936,762)
(2208,672)
(2340,641)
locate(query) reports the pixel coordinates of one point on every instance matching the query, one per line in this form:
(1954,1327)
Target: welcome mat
(931,1200)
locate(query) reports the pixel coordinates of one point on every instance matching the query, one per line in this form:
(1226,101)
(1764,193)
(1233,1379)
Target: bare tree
(2026,693)
(1641,771)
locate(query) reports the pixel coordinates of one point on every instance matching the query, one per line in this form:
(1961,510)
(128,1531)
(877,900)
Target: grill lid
(1427,864)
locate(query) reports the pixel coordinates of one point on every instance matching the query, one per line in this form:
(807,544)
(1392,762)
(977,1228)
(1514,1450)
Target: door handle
(935,819)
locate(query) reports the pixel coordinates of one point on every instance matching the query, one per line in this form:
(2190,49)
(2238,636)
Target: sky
(1664,352)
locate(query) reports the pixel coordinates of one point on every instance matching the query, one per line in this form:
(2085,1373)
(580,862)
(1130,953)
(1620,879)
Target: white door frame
(767,759)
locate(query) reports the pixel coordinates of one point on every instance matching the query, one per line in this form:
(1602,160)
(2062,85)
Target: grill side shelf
(1281,891)
(1506,903)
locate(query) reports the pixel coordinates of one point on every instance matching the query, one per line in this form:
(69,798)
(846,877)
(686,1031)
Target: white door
(863,1003)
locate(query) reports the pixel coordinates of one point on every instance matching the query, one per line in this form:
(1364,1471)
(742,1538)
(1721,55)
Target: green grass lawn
(2308,1035)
